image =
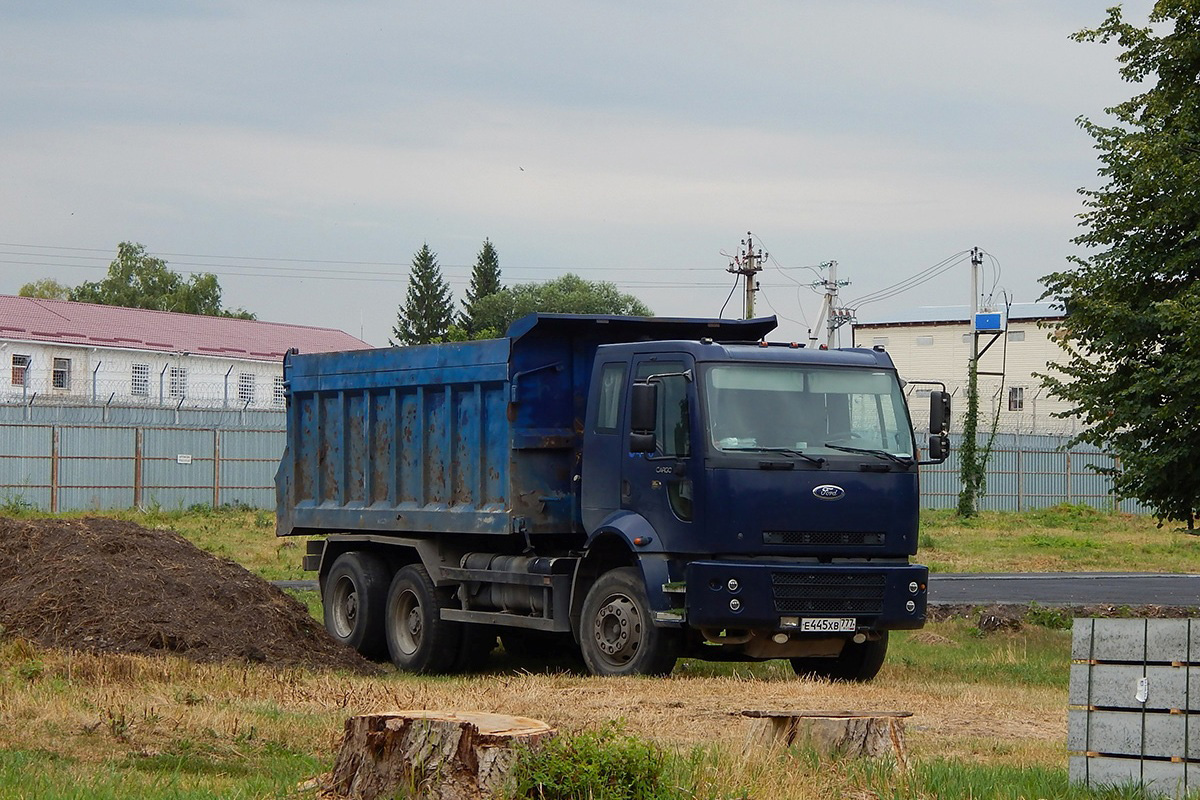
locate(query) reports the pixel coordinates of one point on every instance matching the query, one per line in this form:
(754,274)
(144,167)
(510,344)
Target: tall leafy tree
(45,289)
(428,307)
(1131,368)
(485,281)
(569,294)
(138,280)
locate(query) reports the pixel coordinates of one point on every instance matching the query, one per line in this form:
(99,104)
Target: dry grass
(99,710)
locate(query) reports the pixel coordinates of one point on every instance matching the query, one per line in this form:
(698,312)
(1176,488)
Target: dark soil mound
(110,586)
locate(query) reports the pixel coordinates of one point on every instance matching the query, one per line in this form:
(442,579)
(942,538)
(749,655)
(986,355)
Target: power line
(272,259)
(925,275)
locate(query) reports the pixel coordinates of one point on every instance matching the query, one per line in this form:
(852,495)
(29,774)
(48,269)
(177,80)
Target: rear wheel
(857,662)
(353,596)
(617,634)
(418,639)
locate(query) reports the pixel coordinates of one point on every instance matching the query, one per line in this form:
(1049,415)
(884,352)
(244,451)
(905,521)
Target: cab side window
(612,387)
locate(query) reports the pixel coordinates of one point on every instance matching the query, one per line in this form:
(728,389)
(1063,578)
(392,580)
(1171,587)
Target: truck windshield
(757,407)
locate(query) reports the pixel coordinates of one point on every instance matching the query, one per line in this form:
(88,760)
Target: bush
(597,765)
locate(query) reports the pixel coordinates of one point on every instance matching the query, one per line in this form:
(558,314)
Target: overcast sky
(304,151)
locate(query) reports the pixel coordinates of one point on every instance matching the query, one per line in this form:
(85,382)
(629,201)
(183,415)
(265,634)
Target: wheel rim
(617,630)
(344,607)
(406,623)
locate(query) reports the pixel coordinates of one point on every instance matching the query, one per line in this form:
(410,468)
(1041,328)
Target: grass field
(989,708)
(1059,539)
(79,725)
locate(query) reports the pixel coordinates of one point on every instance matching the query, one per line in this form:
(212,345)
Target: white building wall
(104,373)
(942,351)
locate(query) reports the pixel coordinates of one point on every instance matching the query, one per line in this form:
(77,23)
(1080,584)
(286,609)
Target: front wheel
(418,639)
(857,662)
(617,634)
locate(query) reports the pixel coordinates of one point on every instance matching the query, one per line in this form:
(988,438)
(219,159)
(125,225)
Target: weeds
(16,505)
(607,764)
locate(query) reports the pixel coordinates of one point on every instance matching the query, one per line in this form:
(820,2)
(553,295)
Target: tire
(858,663)
(418,639)
(353,596)
(617,634)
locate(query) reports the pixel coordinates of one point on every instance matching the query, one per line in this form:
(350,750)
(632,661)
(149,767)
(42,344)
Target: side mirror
(643,415)
(939,414)
(939,448)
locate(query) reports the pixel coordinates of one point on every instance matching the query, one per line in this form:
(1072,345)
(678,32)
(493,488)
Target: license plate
(828,625)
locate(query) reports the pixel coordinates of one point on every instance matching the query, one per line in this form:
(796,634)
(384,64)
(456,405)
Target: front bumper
(733,594)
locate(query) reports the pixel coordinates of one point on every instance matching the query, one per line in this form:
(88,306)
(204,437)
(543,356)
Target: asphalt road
(1046,588)
(1067,588)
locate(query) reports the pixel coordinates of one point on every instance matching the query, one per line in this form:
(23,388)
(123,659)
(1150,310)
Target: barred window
(60,377)
(139,380)
(277,391)
(177,386)
(20,367)
(246,387)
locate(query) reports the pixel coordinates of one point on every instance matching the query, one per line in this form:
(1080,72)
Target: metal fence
(93,458)
(71,458)
(1027,471)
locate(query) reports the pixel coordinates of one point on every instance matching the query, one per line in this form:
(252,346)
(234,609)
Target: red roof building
(83,351)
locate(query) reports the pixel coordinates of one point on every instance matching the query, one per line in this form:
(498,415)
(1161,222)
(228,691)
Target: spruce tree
(428,307)
(485,281)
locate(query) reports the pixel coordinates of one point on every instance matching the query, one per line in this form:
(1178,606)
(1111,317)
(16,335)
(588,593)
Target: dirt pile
(111,586)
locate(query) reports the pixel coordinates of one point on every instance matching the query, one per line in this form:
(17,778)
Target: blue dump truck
(632,490)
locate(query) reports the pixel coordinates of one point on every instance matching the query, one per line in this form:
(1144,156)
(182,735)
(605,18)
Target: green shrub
(1055,618)
(607,764)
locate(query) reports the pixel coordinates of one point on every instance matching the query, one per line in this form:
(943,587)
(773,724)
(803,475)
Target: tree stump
(853,734)
(443,755)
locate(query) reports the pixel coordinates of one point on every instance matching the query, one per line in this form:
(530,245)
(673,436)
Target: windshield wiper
(903,461)
(820,462)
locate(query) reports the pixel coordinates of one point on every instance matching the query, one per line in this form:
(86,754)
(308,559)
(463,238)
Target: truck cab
(770,493)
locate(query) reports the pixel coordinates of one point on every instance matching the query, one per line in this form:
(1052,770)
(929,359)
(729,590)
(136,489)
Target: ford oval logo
(828,491)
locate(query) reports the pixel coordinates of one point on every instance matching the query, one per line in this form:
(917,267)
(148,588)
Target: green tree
(569,294)
(138,280)
(1131,369)
(45,289)
(485,281)
(428,307)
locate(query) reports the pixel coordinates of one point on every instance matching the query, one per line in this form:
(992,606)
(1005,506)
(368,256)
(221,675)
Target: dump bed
(475,437)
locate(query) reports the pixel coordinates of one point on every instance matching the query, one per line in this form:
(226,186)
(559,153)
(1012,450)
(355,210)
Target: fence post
(1069,497)
(1116,501)
(54,445)
(217,467)
(139,446)
(1020,475)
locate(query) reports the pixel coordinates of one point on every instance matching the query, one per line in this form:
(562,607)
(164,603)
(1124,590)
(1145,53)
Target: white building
(935,344)
(58,351)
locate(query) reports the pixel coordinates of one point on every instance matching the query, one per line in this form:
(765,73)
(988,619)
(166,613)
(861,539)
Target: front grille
(827,593)
(825,538)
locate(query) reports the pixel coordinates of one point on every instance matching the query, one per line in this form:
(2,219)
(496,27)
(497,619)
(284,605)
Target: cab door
(659,485)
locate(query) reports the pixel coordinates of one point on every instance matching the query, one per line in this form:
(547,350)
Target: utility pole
(971,468)
(748,263)
(976,263)
(832,315)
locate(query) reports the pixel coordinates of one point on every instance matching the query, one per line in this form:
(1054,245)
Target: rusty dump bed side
(472,437)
